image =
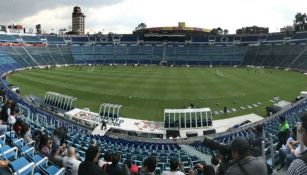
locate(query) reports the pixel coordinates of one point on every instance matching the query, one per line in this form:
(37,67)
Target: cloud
(57,18)
(121,16)
(15,10)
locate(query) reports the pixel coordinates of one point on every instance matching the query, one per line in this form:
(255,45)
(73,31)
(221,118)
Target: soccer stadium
(159,100)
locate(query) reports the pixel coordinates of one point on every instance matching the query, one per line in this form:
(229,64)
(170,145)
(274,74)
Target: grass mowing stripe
(154,88)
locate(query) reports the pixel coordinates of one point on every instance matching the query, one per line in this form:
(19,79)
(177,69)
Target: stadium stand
(7,38)
(128,38)
(7,63)
(26,159)
(300,36)
(54,40)
(275,37)
(31,39)
(83,39)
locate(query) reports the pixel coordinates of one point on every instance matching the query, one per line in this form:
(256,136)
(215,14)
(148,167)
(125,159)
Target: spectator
(130,168)
(143,169)
(70,163)
(107,160)
(62,134)
(37,136)
(256,141)
(244,163)
(4,167)
(5,111)
(114,168)
(151,165)
(283,129)
(134,169)
(2,94)
(174,165)
(44,145)
(22,131)
(215,162)
(63,150)
(89,167)
(55,137)
(3,129)
(93,143)
(299,166)
(285,150)
(208,170)
(126,167)
(55,156)
(197,169)
(14,109)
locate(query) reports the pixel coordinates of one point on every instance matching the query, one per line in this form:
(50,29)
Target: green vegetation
(145,92)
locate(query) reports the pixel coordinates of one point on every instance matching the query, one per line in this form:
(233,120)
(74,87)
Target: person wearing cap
(299,166)
(130,168)
(174,165)
(243,163)
(89,167)
(134,169)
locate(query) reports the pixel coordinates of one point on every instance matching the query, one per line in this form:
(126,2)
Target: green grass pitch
(145,92)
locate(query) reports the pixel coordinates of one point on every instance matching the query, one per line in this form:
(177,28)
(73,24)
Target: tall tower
(78,21)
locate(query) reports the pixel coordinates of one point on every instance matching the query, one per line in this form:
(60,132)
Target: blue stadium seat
(22,166)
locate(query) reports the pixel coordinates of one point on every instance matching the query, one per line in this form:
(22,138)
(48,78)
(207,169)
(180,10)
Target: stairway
(193,152)
(297,57)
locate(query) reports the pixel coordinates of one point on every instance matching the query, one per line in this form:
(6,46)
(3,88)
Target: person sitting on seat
(299,166)
(70,163)
(4,167)
(283,129)
(285,155)
(89,167)
(44,146)
(5,112)
(174,165)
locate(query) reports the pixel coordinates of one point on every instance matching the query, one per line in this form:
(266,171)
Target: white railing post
(272,150)
(263,149)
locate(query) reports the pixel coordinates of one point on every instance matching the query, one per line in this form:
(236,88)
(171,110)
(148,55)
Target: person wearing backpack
(243,163)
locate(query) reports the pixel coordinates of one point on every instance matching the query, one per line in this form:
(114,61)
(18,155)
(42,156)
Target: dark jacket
(114,170)
(252,165)
(89,168)
(4,116)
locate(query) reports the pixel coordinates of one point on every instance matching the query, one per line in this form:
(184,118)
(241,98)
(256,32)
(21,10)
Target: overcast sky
(122,16)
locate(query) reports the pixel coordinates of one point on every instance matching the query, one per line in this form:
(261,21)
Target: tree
(300,21)
(99,33)
(300,18)
(141,26)
(71,33)
(217,31)
(226,31)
